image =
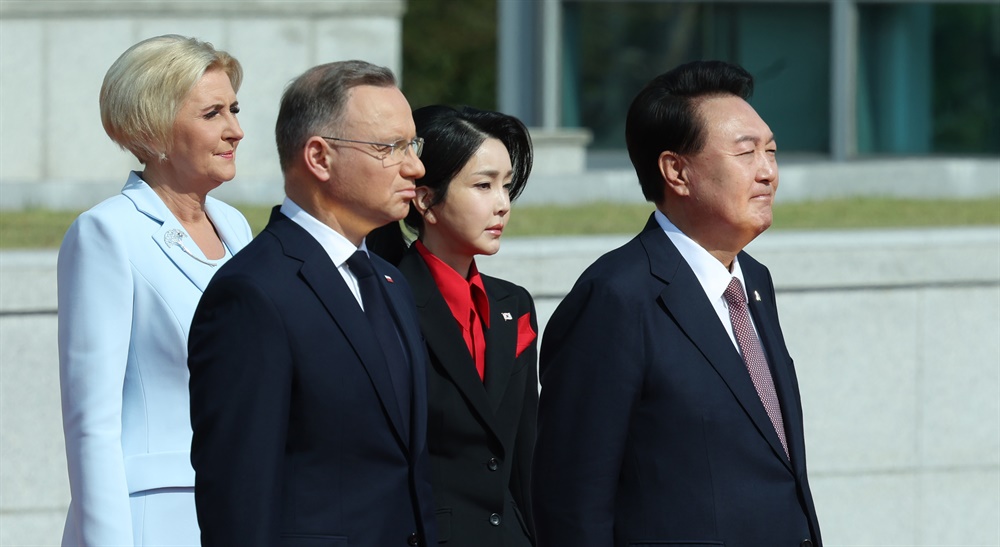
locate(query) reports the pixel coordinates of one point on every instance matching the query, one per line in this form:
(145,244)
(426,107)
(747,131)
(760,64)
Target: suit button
(493,464)
(495,519)
(413,540)
(806,543)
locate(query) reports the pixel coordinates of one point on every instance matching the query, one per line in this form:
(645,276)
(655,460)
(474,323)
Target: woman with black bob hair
(480,331)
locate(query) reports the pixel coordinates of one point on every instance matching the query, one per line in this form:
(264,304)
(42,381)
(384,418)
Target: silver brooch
(173,238)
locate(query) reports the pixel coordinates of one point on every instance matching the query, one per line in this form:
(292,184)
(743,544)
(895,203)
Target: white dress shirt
(337,247)
(713,276)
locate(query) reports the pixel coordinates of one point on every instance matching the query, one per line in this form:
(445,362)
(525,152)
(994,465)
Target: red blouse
(467,300)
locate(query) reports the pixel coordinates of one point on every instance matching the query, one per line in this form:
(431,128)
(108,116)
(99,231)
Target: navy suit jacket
(298,437)
(481,433)
(650,428)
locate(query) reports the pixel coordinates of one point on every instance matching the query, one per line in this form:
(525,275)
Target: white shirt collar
(338,247)
(713,276)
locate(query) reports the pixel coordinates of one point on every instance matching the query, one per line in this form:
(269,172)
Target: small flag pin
(389,279)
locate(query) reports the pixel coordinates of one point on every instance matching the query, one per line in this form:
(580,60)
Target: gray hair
(313,104)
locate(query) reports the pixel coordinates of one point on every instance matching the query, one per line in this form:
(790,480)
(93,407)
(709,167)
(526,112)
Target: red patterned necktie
(753,356)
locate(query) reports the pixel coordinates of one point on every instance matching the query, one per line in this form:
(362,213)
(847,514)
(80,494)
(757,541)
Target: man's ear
(422,201)
(674,173)
(316,158)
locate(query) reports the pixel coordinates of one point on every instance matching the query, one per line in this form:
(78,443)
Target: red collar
(458,292)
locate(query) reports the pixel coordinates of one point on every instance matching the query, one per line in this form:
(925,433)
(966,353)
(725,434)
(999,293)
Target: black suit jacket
(650,428)
(481,434)
(298,437)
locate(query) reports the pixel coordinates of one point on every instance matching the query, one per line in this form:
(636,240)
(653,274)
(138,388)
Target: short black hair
(664,116)
(453,135)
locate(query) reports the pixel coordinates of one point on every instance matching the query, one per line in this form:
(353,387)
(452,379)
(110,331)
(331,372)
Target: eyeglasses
(393,151)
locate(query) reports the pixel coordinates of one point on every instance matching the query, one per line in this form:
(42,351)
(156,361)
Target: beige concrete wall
(895,340)
(54,54)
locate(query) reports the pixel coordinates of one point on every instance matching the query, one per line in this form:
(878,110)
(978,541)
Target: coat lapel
(501,341)
(233,236)
(444,338)
(398,306)
(149,203)
(322,276)
(400,300)
(685,301)
(402,307)
(765,318)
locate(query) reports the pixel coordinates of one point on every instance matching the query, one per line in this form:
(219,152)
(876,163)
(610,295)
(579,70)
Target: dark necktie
(376,308)
(753,356)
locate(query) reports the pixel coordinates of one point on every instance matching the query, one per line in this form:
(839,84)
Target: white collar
(713,276)
(338,247)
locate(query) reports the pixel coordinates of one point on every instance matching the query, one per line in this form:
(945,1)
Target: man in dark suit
(308,371)
(668,413)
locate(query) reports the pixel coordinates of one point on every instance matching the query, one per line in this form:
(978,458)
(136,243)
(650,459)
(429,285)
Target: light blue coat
(126,298)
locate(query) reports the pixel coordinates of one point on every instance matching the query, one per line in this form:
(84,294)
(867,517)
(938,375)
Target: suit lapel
(685,301)
(766,320)
(322,276)
(147,202)
(444,337)
(234,237)
(402,307)
(501,341)
(400,300)
(398,305)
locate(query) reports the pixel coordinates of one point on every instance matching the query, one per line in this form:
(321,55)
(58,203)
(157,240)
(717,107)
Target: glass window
(966,66)
(613,48)
(929,78)
(928,73)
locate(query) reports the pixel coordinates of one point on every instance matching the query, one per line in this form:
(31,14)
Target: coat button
(806,543)
(495,519)
(413,540)
(493,464)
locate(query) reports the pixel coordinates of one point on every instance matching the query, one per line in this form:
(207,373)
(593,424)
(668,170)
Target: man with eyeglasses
(308,396)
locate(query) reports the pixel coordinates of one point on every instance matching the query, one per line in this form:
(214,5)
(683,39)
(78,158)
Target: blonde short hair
(145,88)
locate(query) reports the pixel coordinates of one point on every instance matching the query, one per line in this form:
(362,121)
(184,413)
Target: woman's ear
(422,201)
(673,171)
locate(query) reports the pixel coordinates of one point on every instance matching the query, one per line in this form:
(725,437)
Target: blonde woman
(131,271)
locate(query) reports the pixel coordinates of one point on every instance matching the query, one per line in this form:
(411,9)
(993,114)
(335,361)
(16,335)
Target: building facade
(54,54)
(835,79)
